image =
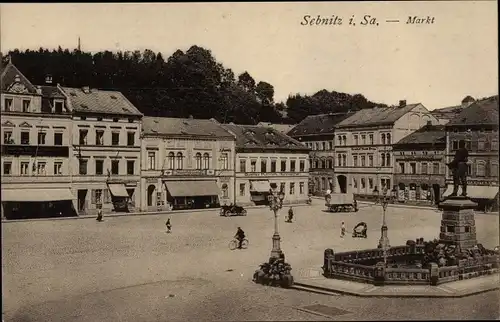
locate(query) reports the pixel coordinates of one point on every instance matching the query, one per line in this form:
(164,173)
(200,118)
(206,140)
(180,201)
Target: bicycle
(233,244)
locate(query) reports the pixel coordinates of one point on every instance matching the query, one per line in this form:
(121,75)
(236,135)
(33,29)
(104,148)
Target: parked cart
(341,202)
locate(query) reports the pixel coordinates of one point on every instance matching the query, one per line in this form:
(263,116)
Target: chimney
(402,103)
(48,79)
(86,89)
(467,101)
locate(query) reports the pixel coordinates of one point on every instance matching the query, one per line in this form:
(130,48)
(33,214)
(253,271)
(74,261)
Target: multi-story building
(36,146)
(477,125)
(445,114)
(363,149)
(419,165)
(186,163)
(105,162)
(317,132)
(268,158)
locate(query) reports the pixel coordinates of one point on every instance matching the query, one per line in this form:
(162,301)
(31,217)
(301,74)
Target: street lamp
(275,199)
(384,240)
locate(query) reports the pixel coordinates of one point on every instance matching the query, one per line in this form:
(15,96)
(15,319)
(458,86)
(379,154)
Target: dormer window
(58,107)
(26,106)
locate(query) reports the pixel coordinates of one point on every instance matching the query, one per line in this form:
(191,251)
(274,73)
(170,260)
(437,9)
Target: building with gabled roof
(363,146)
(106,150)
(36,148)
(267,158)
(318,133)
(283,128)
(477,125)
(445,114)
(187,164)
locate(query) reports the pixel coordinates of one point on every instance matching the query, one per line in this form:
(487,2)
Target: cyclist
(240,235)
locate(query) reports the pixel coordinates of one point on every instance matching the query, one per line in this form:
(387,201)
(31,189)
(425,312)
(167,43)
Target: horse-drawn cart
(341,202)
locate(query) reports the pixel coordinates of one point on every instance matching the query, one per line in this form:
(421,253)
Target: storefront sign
(33,150)
(369,148)
(190,172)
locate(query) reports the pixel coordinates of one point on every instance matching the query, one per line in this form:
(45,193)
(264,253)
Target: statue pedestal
(458,225)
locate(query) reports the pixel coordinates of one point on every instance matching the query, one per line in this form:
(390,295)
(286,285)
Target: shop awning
(260,186)
(482,192)
(118,190)
(36,195)
(477,192)
(192,188)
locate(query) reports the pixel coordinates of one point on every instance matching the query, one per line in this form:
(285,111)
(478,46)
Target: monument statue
(458,169)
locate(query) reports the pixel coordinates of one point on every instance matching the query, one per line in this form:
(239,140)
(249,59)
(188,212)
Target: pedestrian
(99,215)
(169,226)
(342,230)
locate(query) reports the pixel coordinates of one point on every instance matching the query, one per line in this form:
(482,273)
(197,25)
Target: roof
(51,92)
(428,134)
(376,116)
(261,137)
(447,112)
(283,128)
(183,127)
(319,124)
(8,75)
(100,101)
(484,111)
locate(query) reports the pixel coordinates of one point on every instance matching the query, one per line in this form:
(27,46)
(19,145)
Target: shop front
(119,197)
(196,194)
(37,203)
(259,190)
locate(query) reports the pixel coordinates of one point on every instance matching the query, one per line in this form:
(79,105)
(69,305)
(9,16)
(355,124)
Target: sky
(436,64)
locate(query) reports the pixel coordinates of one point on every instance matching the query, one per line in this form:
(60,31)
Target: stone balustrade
(406,276)
(360,273)
(448,274)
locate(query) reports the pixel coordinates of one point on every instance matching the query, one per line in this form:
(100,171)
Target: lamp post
(275,199)
(384,240)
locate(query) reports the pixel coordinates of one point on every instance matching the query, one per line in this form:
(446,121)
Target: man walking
(342,230)
(169,226)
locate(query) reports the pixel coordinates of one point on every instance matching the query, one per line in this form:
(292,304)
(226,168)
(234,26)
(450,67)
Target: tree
(246,82)
(265,93)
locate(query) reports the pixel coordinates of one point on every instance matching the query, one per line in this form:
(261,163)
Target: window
(83,166)
(243,165)
(41,138)
(171,161)
(7,168)
(224,159)
(435,168)
(99,167)
(340,140)
(363,139)
(371,139)
(292,188)
(355,160)
(7,137)
(388,138)
(468,145)
(292,166)
(57,168)
(370,160)
(363,183)
(225,191)
(242,189)
(450,229)
(413,168)
(401,167)
(206,161)
(354,183)
(383,138)
(151,160)
(283,165)
(494,170)
(344,160)
(469,170)
(382,160)
(26,106)
(83,137)
(130,167)
(301,188)
(424,168)
(302,165)
(116,119)
(339,159)
(454,145)
(253,166)
(58,107)
(99,137)
(263,166)
(481,144)
(58,138)
(344,139)
(41,168)
(356,141)
(387,159)
(115,138)
(330,145)
(363,160)
(115,166)
(25,137)
(323,145)
(97,197)
(282,186)
(180,161)
(480,169)
(130,138)
(370,183)
(494,145)
(273,166)
(199,163)
(8,104)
